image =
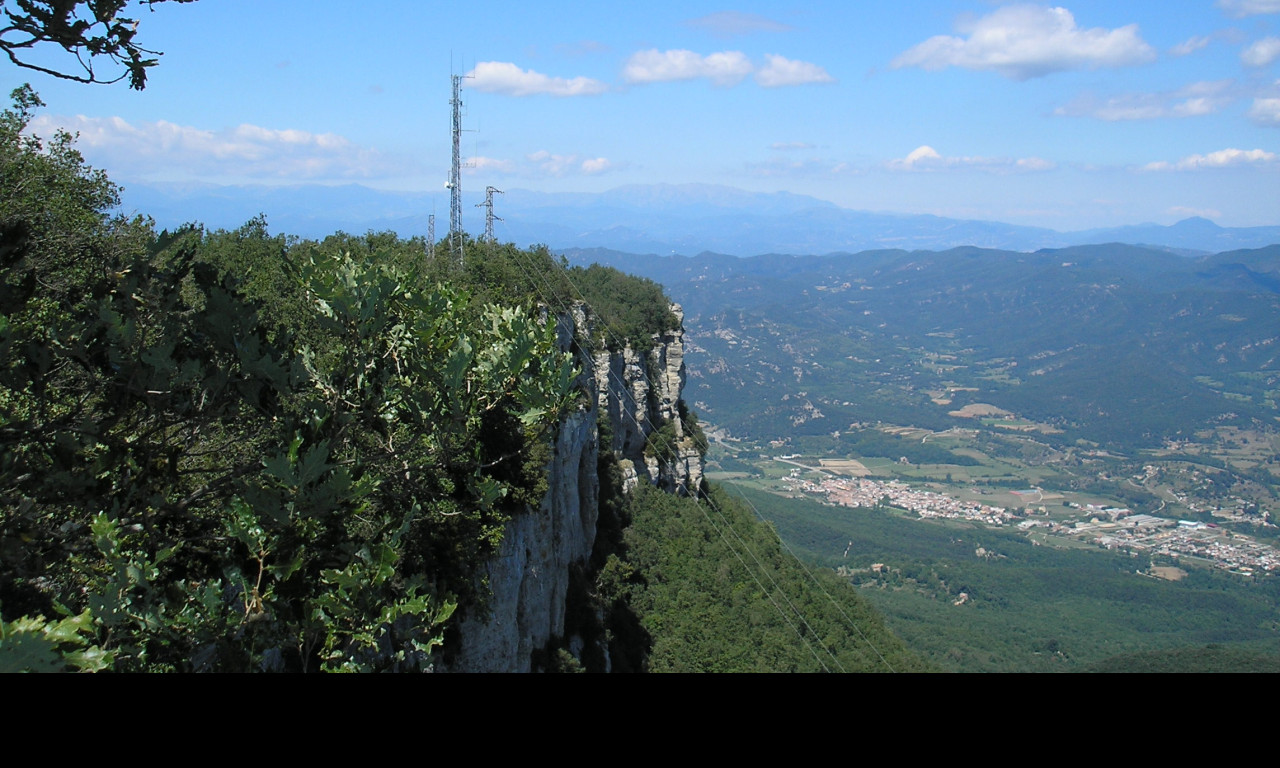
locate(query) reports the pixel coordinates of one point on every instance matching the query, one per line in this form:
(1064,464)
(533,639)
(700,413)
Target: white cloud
(781,71)
(925,155)
(1223,158)
(1262,53)
(166,150)
(1265,111)
(548,163)
(1190,46)
(653,66)
(506,78)
(1241,8)
(490,165)
(726,68)
(539,164)
(737,24)
(1202,98)
(1026,41)
(1034,164)
(790,145)
(926,158)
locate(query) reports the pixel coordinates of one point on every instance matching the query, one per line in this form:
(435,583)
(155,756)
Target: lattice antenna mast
(455,173)
(431,236)
(489,218)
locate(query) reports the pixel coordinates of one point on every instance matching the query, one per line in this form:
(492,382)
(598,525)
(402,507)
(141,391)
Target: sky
(1087,114)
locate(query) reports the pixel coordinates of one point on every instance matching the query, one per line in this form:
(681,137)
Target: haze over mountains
(1115,344)
(661,219)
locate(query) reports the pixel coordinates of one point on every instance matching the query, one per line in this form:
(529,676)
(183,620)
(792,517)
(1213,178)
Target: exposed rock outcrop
(639,394)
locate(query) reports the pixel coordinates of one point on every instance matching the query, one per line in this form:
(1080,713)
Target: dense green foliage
(238,451)
(230,451)
(1209,659)
(714,591)
(1025,607)
(633,308)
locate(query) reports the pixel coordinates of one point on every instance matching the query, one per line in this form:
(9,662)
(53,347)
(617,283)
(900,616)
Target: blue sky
(1069,116)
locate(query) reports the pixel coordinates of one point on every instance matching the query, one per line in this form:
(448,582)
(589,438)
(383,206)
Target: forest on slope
(1094,342)
(238,451)
(715,590)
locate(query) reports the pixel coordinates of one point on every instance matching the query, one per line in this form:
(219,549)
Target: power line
(818,584)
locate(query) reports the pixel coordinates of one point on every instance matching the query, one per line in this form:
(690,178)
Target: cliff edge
(635,395)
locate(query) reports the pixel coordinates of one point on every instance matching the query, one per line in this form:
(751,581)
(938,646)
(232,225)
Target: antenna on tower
(455,172)
(489,218)
(431,236)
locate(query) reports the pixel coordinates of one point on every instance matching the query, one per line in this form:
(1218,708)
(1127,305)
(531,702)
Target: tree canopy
(232,451)
(90,31)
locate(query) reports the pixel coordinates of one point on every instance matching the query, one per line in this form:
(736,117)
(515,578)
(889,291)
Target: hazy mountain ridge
(660,218)
(1113,343)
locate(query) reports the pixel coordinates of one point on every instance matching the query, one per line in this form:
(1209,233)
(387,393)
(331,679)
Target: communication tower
(489,218)
(455,173)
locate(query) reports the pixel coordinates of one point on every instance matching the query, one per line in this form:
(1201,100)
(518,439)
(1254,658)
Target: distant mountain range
(1121,345)
(661,219)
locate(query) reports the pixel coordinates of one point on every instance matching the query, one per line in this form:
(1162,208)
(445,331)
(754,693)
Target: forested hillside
(1093,342)
(715,591)
(238,451)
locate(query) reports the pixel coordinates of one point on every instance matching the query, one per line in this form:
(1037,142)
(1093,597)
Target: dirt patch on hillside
(1168,573)
(978,410)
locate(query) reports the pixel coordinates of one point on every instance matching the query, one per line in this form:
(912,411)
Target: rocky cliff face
(639,394)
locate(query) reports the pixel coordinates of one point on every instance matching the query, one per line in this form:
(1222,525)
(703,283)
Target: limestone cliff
(638,393)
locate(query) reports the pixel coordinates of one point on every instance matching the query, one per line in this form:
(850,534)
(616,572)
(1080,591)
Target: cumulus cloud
(1242,8)
(1190,45)
(541,164)
(653,66)
(1223,158)
(1026,41)
(926,158)
(564,165)
(1262,53)
(920,156)
(165,149)
(1265,112)
(780,71)
(726,68)
(1202,98)
(736,24)
(508,79)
